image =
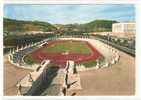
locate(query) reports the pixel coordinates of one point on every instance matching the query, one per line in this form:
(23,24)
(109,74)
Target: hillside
(93,26)
(14,30)
(19,26)
(99,25)
(11,25)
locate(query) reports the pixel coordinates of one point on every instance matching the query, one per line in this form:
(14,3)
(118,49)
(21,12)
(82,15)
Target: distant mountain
(19,26)
(68,27)
(93,26)
(11,25)
(99,25)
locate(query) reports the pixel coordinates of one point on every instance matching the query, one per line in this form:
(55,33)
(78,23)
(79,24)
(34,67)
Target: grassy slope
(11,25)
(90,63)
(29,60)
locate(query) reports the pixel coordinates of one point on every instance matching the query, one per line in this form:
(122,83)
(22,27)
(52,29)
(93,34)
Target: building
(124,30)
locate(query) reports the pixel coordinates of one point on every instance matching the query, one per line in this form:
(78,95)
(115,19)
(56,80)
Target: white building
(125,30)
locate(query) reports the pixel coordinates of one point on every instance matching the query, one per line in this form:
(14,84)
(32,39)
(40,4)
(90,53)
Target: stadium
(68,55)
(63,50)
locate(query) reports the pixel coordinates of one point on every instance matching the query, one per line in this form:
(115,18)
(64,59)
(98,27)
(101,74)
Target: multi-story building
(125,30)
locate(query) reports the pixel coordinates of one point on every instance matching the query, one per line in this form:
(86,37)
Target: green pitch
(68,46)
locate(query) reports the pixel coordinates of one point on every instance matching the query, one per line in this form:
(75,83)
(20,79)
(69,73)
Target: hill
(99,25)
(93,26)
(14,30)
(16,26)
(19,27)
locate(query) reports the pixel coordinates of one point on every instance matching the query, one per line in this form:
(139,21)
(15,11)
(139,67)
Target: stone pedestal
(70,66)
(113,61)
(106,64)
(97,66)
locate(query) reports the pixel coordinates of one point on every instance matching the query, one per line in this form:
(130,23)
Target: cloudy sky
(64,14)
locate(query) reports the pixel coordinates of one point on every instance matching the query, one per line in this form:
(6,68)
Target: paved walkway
(74,81)
(116,80)
(12,75)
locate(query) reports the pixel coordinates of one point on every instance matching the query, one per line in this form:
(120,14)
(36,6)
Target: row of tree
(20,40)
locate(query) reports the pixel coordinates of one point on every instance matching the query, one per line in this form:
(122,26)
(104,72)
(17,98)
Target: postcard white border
(137,3)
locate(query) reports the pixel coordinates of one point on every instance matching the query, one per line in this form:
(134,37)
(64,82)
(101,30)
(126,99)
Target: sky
(69,14)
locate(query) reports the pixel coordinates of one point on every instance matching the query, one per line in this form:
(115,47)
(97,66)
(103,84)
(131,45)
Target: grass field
(68,46)
(89,64)
(29,60)
(80,52)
